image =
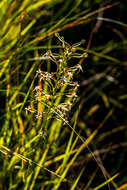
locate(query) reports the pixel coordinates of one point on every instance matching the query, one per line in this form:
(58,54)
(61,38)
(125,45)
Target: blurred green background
(27,31)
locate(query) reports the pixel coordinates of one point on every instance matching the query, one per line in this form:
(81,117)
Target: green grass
(64,141)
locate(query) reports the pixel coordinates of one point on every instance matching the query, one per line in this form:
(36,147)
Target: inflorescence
(57,91)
